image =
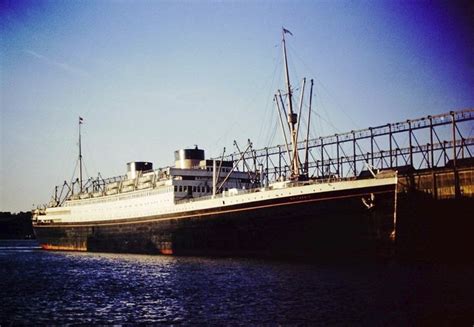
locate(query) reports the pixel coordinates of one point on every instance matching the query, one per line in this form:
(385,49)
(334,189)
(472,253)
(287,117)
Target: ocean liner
(213,207)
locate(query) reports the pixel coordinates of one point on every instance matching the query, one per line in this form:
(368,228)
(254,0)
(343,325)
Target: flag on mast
(287,31)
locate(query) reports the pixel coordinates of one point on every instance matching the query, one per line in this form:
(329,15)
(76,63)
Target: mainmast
(80,156)
(292,117)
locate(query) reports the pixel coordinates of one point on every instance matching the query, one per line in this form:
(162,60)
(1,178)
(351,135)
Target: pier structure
(438,150)
(434,158)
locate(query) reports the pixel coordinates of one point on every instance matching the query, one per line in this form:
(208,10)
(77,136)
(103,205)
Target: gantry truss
(428,142)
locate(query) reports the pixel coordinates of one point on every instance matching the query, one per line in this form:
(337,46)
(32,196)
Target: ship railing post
(339,165)
(214,179)
(354,153)
(266,168)
(390,135)
(342,167)
(371,146)
(322,157)
(279,162)
(410,135)
(457,189)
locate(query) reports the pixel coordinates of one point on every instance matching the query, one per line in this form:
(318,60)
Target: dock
(434,158)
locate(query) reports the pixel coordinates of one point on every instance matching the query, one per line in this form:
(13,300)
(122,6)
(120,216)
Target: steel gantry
(427,142)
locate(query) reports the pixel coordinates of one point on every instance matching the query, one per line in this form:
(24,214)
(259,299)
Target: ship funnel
(188,158)
(134,167)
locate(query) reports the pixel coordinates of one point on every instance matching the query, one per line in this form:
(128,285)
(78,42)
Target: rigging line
(294,71)
(268,126)
(235,124)
(273,133)
(85,170)
(277,61)
(338,104)
(74,171)
(252,100)
(70,152)
(340,107)
(322,107)
(304,126)
(318,101)
(313,110)
(90,158)
(327,121)
(269,93)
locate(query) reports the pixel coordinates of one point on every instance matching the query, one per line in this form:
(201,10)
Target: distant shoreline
(16,226)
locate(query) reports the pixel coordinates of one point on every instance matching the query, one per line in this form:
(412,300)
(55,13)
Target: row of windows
(198,189)
(121,196)
(223,170)
(131,205)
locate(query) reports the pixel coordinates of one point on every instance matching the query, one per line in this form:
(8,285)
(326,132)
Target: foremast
(296,170)
(80,156)
(292,117)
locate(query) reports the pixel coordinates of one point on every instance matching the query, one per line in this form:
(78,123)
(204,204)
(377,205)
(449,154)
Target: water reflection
(95,288)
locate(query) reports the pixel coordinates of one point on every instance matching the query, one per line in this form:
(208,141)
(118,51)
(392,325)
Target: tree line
(16,225)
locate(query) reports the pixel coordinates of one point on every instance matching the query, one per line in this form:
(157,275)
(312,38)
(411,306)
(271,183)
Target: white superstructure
(187,190)
(145,192)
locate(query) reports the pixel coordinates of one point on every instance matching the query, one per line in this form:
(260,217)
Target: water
(39,287)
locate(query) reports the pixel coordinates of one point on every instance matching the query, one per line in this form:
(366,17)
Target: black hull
(319,225)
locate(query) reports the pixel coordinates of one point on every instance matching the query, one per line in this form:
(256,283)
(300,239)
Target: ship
(216,206)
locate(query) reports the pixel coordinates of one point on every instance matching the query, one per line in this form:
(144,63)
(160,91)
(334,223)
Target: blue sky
(150,77)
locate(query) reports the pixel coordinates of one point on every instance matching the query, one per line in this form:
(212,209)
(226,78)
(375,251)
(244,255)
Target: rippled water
(39,287)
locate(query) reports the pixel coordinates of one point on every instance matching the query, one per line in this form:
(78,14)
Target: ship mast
(292,117)
(80,156)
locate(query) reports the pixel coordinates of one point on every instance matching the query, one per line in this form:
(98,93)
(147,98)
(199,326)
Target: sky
(151,77)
